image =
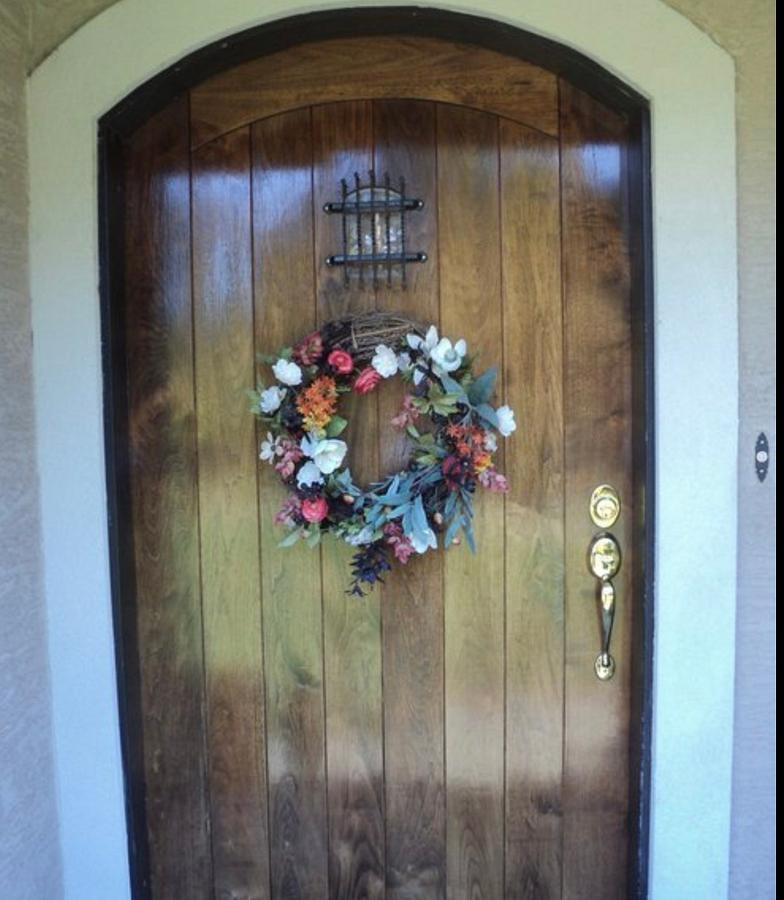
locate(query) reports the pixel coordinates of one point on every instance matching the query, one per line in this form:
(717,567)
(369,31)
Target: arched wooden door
(446,736)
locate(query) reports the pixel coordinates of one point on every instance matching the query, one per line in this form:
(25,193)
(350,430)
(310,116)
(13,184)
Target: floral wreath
(446,414)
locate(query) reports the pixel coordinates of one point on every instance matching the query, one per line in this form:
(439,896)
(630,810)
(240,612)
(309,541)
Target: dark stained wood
(533,354)
(228,513)
(164,508)
(387,67)
(598,417)
(342,145)
(412,602)
(414,729)
(285,310)
(470,273)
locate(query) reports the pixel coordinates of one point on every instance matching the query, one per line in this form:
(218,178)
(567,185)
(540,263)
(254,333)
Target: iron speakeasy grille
(373,228)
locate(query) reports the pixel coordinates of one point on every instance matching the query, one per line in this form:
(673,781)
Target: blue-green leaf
(481,390)
(487,413)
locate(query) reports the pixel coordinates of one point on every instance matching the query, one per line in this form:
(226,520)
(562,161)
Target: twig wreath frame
(452,426)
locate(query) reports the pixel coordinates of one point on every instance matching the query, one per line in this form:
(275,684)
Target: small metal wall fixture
(762,456)
(373,229)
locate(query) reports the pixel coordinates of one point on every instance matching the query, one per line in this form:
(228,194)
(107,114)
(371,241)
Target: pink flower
(367,380)
(341,362)
(408,413)
(401,545)
(290,454)
(290,513)
(494,481)
(310,349)
(314,510)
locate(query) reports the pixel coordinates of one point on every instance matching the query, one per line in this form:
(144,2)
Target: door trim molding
(145,101)
(64,269)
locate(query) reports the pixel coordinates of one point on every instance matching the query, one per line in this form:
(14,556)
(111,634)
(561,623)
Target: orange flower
(317,403)
(482,461)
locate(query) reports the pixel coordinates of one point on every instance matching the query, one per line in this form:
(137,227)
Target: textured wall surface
(746,29)
(29,846)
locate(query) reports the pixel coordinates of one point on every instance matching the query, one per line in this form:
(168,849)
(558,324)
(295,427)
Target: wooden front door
(446,736)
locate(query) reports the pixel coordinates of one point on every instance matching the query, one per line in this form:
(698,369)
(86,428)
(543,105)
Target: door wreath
(446,413)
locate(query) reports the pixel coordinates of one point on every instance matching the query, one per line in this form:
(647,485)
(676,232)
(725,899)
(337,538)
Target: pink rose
(341,361)
(367,380)
(314,510)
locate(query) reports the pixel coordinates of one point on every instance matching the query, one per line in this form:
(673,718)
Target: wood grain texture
(468,213)
(384,67)
(412,598)
(285,310)
(164,505)
(228,513)
(533,353)
(598,416)
(342,145)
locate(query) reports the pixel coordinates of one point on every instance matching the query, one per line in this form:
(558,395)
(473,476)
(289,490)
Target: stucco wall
(29,848)
(746,30)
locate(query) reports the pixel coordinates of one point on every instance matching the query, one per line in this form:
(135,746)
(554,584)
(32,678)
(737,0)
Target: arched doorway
(480,754)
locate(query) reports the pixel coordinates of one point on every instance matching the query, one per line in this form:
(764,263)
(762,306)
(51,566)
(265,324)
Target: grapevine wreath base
(446,414)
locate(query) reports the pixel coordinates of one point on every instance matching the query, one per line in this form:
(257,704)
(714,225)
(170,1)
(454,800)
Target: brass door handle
(604,561)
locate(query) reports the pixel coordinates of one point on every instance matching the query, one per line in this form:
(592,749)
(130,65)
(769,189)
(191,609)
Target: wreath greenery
(446,414)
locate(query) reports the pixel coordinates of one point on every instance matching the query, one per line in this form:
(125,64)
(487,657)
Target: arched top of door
(372,68)
(373,53)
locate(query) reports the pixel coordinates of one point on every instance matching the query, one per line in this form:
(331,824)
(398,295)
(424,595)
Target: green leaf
(314,536)
(482,389)
(290,539)
(336,426)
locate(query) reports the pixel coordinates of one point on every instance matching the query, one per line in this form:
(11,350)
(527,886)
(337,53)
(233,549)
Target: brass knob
(605,506)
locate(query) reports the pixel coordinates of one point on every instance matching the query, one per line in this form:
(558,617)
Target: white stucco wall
(691,85)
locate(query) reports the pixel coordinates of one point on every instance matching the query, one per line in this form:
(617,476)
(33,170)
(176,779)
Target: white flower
(506,420)
(309,474)
(403,362)
(424,345)
(423,540)
(385,361)
(327,455)
(287,372)
(361,537)
(270,400)
(268,448)
(446,357)
(491,442)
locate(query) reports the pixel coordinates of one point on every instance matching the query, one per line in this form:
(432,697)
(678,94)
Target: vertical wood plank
(598,429)
(228,512)
(412,598)
(533,350)
(470,275)
(342,145)
(291,579)
(164,507)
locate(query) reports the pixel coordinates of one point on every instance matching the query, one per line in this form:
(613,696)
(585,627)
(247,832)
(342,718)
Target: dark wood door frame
(272,37)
